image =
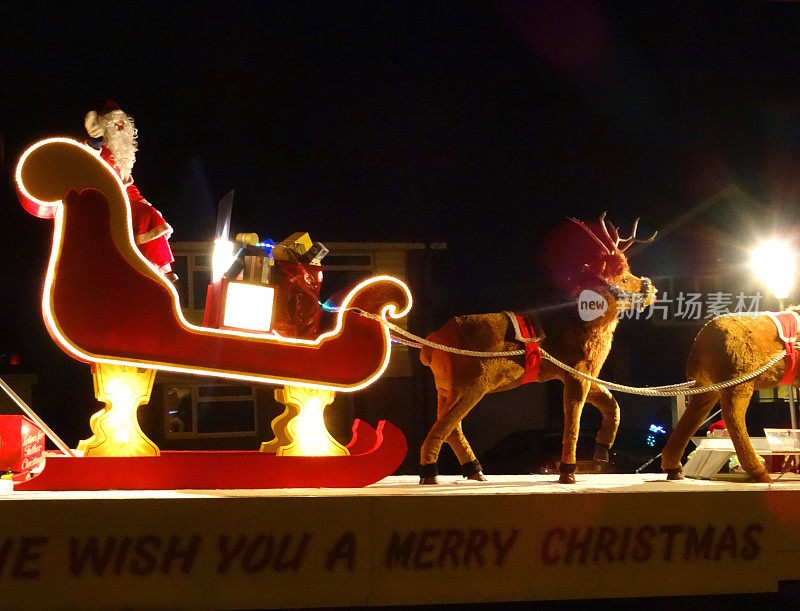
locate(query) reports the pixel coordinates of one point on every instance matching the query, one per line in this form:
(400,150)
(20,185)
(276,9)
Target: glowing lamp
(775,263)
(300,430)
(222,258)
(115,428)
(248,306)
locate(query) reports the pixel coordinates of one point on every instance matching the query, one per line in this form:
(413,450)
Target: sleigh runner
(373,454)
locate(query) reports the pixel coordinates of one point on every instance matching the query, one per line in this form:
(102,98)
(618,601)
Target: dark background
(482,124)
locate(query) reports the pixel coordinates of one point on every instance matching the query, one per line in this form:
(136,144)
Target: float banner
(400,545)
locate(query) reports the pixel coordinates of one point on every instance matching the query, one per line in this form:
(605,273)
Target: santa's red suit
(151,232)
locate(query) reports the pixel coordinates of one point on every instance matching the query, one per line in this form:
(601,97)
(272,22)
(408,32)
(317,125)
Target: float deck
(509,539)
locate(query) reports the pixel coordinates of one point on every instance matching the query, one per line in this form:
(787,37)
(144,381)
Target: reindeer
(726,348)
(461,381)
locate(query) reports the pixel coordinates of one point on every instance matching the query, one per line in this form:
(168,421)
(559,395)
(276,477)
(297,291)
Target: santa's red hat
(109,106)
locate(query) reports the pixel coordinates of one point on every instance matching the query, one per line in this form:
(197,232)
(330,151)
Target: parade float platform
(509,539)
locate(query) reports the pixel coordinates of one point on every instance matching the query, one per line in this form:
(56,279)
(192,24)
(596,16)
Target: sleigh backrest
(53,167)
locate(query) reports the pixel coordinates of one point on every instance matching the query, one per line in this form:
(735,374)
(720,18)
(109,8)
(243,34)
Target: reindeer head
(609,270)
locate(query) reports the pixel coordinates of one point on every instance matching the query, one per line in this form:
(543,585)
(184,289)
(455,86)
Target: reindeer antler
(615,243)
(612,239)
(592,234)
(623,245)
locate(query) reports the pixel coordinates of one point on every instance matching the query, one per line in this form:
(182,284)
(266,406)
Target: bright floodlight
(775,263)
(221,259)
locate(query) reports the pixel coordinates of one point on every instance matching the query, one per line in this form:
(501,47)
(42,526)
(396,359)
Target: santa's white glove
(93,127)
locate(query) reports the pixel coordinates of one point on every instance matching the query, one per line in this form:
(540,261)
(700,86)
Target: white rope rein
(670,390)
(419,341)
(684,388)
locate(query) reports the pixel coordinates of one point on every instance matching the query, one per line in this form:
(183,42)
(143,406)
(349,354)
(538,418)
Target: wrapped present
(270,287)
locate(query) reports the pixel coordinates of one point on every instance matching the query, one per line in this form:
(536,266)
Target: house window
(342,271)
(209,410)
(193,266)
(771,395)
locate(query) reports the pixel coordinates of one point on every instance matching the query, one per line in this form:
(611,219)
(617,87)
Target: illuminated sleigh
(105,304)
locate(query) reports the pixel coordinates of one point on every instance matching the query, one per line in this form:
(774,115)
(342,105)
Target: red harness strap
(787,323)
(524,328)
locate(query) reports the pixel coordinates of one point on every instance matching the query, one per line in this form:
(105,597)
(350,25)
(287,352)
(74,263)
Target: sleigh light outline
(54,171)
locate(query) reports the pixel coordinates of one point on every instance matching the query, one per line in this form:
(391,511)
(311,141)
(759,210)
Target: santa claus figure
(113,133)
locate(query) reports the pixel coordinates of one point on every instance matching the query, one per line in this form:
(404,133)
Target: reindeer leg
(450,415)
(575,392)
(734,402)
(429,452)
(602,399)
(697,409)
(470,466)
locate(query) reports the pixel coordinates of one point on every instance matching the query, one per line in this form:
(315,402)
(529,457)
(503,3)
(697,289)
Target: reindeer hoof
(601,452)
(473,470)
(675,474)
(567,473)
(428,473)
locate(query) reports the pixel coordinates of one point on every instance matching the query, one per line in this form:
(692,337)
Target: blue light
(267,245)
(651,440)
(657,428)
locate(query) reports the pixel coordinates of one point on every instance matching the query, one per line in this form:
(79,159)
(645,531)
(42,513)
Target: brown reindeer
(461,381)
(726,348)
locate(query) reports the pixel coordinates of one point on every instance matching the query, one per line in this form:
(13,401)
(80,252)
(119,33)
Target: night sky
(483,124)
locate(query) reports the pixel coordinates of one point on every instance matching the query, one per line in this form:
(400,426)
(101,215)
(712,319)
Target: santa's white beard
(121,142)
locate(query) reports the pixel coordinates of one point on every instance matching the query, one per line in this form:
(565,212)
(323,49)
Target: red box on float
(21,444)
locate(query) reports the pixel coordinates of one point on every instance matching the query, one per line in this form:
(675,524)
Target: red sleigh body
(103,302)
